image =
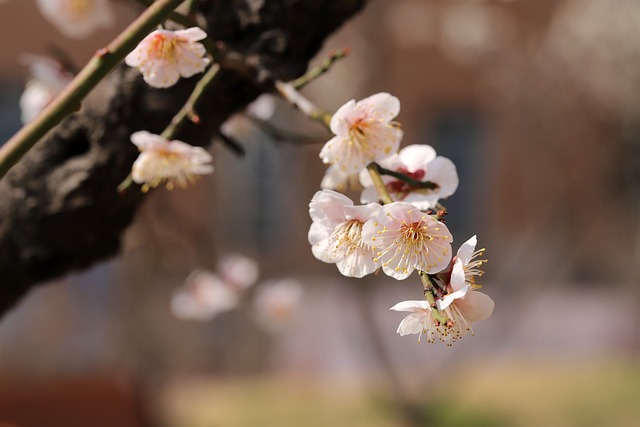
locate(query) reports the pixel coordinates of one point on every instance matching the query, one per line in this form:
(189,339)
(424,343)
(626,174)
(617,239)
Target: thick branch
(60,210)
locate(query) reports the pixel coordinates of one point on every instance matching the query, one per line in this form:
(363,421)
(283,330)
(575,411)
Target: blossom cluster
(399,228)
(205,295)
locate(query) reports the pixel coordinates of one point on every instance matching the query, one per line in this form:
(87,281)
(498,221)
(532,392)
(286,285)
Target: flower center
(163,47)
(415,234)
(78,8)
(348,236)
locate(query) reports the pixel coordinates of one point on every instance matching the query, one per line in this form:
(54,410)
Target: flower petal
(416,156)
(475,306)
(412,306)
(383,105)
(466,250)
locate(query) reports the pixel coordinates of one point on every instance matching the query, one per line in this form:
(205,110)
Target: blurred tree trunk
(60,210)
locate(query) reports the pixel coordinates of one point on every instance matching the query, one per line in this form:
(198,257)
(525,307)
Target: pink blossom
(77,19)
(173,162)
(364,133)
(164,56)
(336,233)
(406,239)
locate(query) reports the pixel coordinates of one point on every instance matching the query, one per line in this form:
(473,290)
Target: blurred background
(535,101)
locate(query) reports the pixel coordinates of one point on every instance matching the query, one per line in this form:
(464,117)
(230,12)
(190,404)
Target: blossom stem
(381,188)
(325,66)
(428,295)
(96,69)
(188,110)
(414,183)
(289,92)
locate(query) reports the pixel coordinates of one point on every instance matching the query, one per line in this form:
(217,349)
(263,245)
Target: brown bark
(60,210)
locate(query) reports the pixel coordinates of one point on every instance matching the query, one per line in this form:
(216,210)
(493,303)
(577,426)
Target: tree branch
(60,210)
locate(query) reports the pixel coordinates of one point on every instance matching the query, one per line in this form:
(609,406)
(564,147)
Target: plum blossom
(203,296)
(406,239)
(77,19)
(164,56)
(420,321)
(336,233)
(275,302)
(420,163)
(48,78)
(238,271)
(364,133)
(173,162)
(462,304)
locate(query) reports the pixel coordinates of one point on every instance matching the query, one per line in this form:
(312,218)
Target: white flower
(163,56)
(48,79)
(464,305)
(275,302)
(336,233)
(336,179)
(420,321)
(160,160)
(238,271)
(420,163)
(203,296)
(406,239)
(77,19)
(364,133)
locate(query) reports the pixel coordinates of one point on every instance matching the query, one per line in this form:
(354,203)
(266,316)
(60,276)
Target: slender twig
(412,182)
(98,67)
(381,188)
(283,135)
(428,294)
(188,110)
(192,6)
(291,94)
(314,73)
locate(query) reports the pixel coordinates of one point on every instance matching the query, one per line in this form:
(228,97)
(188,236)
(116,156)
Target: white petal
(369,195)
(443,172)
(412,306)
(417,156)
(449,298)
(475,306)
(334,178)
(458,279)
(412,324)
(382,105)
(328,205)
(339,124)
(357,264)
(318,232)
(467,249)
(362,213)
(193,34)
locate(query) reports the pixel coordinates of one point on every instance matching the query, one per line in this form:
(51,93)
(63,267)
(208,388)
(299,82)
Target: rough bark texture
(60,210)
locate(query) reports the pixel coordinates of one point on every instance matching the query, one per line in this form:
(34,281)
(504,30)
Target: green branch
(325,66)
(381,188)
(431,299)
(289,92)
(98,67)
(188,110)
